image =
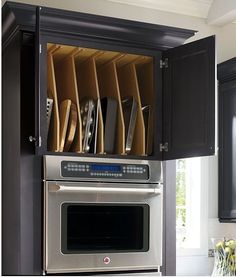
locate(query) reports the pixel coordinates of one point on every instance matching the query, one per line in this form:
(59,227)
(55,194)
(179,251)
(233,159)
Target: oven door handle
(62,188)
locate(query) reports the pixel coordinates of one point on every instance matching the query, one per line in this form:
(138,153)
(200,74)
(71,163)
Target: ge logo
(106,260)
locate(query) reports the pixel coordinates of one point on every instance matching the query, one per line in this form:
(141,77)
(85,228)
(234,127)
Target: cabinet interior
(118,120)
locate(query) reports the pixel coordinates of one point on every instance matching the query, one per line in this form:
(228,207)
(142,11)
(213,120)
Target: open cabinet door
(189,76)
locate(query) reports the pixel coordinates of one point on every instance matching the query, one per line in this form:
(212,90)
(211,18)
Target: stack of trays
(99,102)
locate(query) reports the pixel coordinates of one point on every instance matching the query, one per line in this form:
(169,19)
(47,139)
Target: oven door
(103,227)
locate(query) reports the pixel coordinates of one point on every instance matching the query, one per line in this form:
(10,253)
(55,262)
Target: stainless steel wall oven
(102,215)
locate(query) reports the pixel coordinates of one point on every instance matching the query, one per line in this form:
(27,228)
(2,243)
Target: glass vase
(225,257)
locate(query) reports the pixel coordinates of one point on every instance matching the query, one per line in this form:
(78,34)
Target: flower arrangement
(225,257)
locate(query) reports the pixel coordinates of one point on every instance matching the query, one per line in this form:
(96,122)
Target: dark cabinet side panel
(227,150)
(31,168)
(189,100)
(21,169)
(11,158)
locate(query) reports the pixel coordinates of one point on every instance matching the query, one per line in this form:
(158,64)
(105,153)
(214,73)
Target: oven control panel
(104,170)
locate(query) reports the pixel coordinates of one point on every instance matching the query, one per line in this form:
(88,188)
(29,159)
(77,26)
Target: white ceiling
(216,12)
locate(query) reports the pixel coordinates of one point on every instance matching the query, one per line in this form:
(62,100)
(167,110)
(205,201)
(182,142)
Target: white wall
(202,265)
(226,36)
(226,49)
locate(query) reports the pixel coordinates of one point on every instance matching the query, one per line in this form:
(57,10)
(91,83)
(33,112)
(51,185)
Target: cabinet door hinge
(40,48)
(164,147)
(164,63)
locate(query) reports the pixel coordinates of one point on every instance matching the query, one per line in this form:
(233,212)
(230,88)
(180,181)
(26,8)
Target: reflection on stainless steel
(88,114)
(49,112)
(130,110)
(87,189)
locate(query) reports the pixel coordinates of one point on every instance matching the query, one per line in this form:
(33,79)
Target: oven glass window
(104,228)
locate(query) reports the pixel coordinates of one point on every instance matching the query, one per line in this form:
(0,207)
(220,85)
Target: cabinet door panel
(189,100)
(227,151)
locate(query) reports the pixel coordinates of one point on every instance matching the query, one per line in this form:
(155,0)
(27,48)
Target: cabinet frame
(226,73)
(105,33)
(96,44)
(25,186)
(112,33)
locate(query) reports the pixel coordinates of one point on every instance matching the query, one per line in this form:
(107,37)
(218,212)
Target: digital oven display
(102,167)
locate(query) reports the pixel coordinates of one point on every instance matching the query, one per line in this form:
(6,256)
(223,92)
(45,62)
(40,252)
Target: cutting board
(70,135)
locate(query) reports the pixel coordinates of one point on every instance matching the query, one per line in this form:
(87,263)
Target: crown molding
(18,16)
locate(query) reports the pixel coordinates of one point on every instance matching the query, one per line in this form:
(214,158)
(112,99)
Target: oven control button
(106,260)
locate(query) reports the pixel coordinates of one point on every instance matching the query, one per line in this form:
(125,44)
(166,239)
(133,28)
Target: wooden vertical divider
(67,89)
(146,87)
(54,131)
(100,131)
(128,85)
(108,87)
(88,88)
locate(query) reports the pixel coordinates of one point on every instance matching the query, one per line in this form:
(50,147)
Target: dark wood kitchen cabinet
(48,51)
(227,140)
